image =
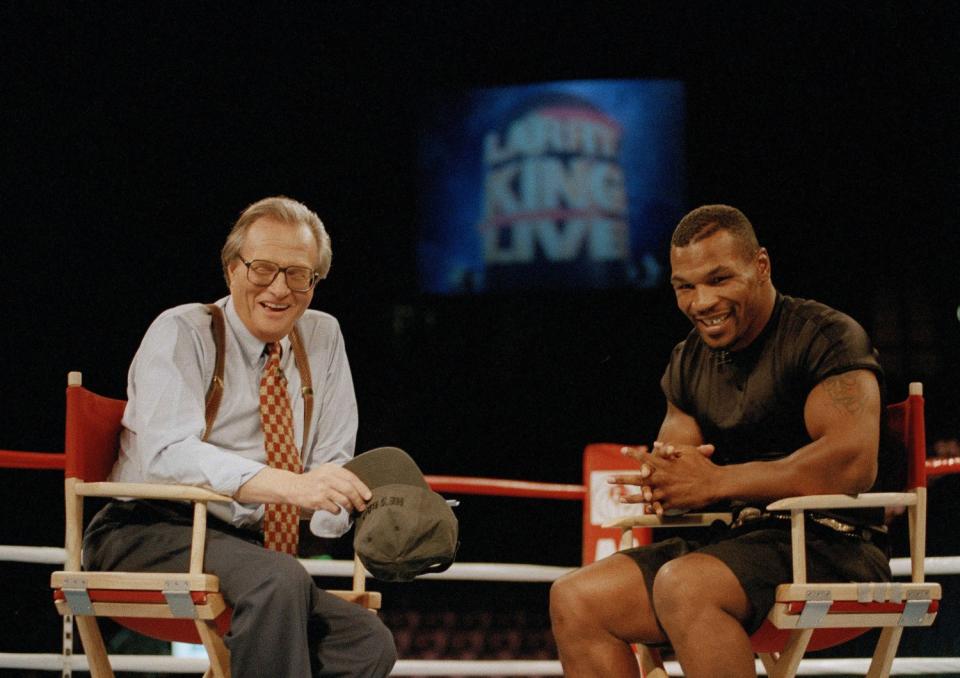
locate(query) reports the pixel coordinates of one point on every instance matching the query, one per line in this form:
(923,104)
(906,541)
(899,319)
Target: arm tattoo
(845,393)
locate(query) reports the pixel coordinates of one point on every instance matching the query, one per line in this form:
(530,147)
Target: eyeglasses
(262,273)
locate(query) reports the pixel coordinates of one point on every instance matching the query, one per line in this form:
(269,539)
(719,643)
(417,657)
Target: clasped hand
(671,477)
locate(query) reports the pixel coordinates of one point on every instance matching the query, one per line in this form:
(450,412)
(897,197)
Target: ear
(232,268)
(764,268)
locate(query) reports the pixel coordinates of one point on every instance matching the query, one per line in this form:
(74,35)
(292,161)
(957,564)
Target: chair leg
(651,663)
(886,650)
(217,652)
(93,647)
(789,661)
(769,661)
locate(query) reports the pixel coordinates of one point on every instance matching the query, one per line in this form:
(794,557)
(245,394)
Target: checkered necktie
(281,522)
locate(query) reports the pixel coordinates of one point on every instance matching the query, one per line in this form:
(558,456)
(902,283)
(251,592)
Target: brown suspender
(306,383)
(215,390)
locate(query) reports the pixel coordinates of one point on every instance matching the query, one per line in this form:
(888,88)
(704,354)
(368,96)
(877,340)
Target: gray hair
(285,210)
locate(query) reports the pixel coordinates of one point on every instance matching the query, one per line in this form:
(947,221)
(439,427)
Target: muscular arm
(842,416)
(679,428)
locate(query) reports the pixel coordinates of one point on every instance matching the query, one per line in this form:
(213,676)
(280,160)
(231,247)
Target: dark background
(132,134)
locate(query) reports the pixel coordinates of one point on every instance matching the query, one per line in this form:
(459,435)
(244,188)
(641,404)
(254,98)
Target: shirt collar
(750,352)
(250,347)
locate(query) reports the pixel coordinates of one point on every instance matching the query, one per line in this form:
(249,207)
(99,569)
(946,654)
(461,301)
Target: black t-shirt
(749,403)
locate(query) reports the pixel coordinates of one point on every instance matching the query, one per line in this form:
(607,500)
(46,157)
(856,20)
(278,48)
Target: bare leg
(702,606)
(596,612)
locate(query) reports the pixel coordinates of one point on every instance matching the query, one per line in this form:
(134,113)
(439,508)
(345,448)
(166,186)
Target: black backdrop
(133,133)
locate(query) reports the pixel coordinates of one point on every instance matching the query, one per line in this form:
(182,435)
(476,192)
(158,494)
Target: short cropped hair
(285,210)
(706,220)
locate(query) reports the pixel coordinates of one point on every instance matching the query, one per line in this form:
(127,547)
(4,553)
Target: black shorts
(759,555)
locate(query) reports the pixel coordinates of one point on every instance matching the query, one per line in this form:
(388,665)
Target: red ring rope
(37,460)
(453,484)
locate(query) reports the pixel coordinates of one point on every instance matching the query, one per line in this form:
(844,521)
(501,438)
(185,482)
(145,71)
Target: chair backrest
(906,421)
(92,432)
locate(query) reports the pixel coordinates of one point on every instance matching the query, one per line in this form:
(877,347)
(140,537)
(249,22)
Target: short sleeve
(837,344)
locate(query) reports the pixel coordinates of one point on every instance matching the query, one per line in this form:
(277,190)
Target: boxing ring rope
(942,466)
(500,572)
(902,666)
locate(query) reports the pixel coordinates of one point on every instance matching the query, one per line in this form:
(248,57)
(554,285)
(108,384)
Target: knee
(288,579)
(681,589)
(563,597)
(281,584)
(376,648)
(570,600)
(670,582)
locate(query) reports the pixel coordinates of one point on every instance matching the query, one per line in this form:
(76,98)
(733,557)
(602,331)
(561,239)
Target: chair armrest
(863,592)
(149,491)
(826,501)
(682,520)
(137,581)
(814,501)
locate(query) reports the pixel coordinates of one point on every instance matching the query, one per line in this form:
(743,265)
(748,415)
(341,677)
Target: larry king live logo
(555,203)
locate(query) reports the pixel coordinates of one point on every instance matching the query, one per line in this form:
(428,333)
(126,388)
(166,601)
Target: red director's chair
(809,616)
(173,606)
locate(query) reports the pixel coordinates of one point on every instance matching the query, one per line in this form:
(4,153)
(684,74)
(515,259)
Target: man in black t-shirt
(768,397)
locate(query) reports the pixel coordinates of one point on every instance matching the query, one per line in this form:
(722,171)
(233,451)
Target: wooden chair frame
(820,615)
(169,605)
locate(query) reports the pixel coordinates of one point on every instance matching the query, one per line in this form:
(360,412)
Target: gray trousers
(283,625)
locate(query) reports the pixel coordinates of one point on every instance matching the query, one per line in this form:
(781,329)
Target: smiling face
(270,312)
(724,291)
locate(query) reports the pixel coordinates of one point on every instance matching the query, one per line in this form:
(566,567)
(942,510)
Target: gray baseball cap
(407,529)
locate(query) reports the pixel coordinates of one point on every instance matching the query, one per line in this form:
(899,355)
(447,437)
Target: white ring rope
(902,666)
(510,572)
(505,572)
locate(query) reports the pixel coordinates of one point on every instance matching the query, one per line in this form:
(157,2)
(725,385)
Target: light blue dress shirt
(164,418)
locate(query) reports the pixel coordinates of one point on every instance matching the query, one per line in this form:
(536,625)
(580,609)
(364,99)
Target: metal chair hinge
(177,595)
(78,600)
(814,609)
(914,612)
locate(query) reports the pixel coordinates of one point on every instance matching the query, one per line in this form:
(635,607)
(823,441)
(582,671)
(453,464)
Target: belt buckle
(748,514)
(835,525)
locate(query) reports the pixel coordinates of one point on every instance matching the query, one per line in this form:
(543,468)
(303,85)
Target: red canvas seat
(172,606)
(815,616)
